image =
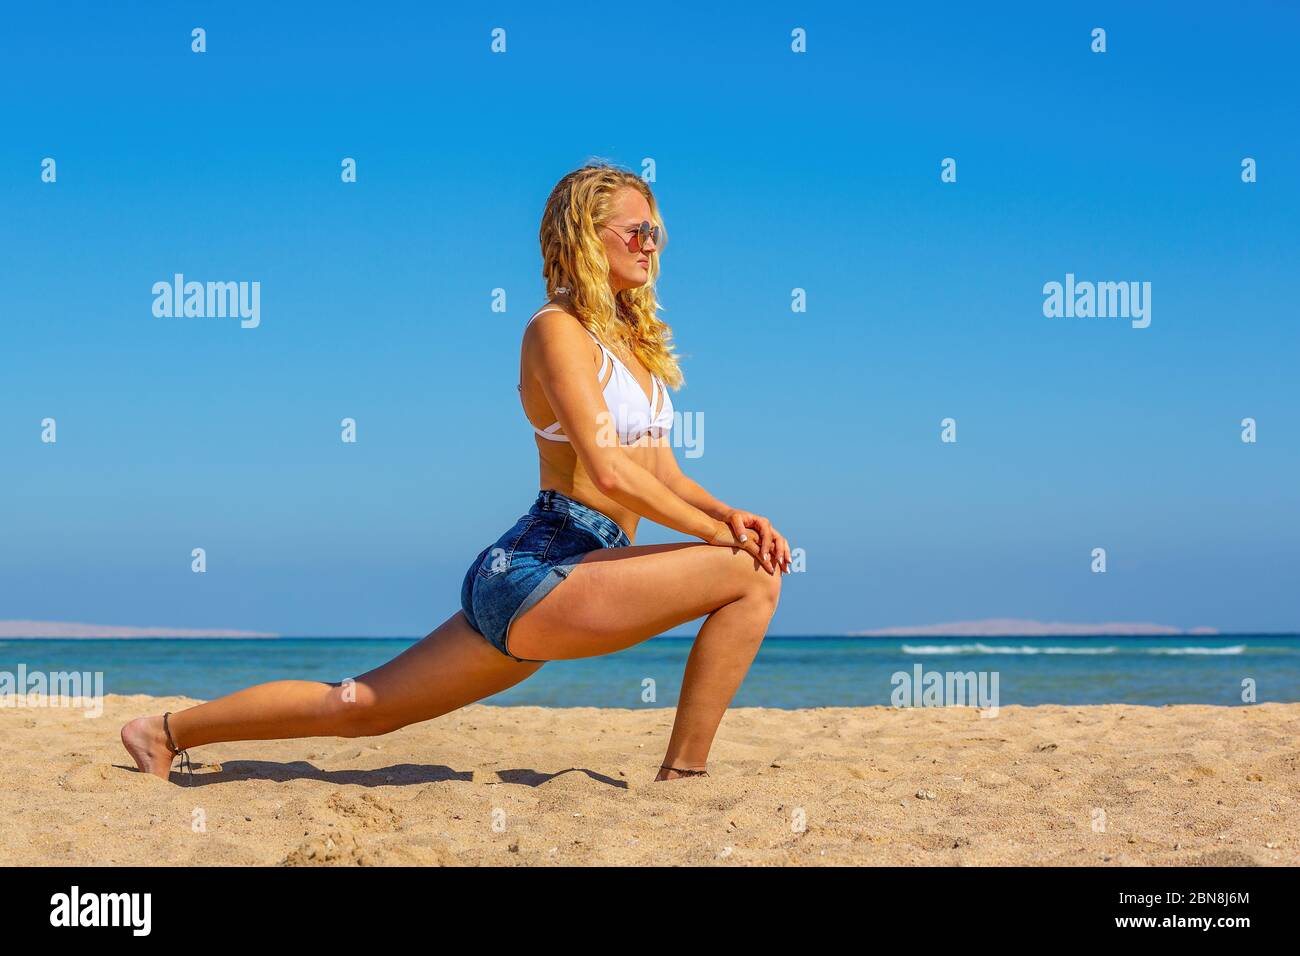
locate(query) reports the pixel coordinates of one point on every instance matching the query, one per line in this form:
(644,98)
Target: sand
(1100,785)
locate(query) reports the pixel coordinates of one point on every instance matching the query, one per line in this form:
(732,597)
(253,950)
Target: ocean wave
(1000,649)
(979,648)
(1233,649)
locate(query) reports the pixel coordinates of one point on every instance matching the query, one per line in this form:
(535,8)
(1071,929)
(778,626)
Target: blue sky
(774,171)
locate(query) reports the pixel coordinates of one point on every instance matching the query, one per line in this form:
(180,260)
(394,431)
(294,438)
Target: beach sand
(1097,785)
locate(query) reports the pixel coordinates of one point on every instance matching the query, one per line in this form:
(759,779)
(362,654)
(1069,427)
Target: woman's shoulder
(552,308)
(554,326)
(554,320)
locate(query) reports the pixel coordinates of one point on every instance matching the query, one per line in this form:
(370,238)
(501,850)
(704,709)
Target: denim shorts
(525,564)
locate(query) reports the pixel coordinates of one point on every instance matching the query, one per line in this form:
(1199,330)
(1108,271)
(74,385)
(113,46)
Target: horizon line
(803,636)
(989,627)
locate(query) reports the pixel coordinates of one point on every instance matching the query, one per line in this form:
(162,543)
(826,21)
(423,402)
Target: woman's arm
(773,546)
(670,473)
(558,347)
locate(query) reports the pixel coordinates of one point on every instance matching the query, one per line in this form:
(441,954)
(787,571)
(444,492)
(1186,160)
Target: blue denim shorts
(525,564)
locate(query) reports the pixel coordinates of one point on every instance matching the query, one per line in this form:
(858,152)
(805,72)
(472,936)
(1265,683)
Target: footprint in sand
(366,813)
(333,848)
(341,847)
(87,776)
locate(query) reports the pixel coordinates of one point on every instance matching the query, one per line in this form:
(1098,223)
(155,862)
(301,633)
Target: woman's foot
(673,773)
(146,742)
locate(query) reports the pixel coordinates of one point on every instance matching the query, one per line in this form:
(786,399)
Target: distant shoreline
(167,637)
(73,630)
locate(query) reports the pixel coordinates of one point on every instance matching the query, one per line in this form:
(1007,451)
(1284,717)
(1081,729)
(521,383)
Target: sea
(790,671)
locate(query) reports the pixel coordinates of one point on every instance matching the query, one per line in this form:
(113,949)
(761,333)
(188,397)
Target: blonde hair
(573,258)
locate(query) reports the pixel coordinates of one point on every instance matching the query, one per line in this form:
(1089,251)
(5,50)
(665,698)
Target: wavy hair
(573,257)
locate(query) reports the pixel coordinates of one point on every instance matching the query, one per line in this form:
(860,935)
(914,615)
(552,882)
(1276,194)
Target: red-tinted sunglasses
(646,232)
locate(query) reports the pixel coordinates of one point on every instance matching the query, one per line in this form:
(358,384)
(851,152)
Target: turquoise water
(789,671)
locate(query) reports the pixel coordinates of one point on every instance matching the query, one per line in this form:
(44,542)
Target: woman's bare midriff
(559,468)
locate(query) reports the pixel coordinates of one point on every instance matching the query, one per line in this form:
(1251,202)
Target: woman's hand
(747,541)
(773,549)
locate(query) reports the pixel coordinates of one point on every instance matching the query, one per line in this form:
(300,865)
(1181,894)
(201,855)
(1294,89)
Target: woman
(565,581)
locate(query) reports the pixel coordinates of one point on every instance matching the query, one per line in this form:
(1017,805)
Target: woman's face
(629,262)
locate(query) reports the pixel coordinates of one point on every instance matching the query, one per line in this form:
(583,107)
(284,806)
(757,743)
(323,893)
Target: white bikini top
(632,412)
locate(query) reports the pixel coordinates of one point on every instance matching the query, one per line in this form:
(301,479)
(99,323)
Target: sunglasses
(646,232)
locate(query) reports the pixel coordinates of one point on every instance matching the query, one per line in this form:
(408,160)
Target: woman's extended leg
(450,668)
(618,597)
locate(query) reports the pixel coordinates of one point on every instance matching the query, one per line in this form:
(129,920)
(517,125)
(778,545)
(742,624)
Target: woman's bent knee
(763,585)
(753,582)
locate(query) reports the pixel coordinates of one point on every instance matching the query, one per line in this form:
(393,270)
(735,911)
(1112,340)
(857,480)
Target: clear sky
(775,171)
